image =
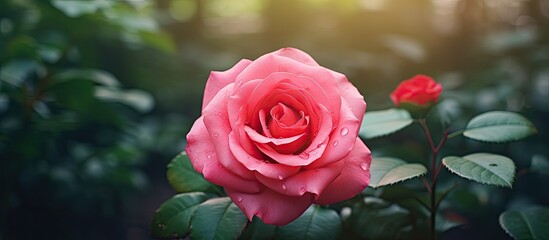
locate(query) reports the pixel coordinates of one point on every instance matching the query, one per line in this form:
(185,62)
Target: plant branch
(435,171)
(425,128)
(445,194)
(456,133)
(426,184)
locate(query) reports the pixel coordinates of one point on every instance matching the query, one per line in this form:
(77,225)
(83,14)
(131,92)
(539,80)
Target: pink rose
(279,134)
(420,90)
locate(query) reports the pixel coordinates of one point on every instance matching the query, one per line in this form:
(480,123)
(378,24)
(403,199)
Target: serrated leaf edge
(530,231)
(401,180)
(499,185)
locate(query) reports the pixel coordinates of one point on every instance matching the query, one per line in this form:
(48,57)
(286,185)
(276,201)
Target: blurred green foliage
(73,139)
(96,97)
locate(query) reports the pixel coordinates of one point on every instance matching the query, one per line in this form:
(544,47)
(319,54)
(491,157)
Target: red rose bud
(281,133)
(416,94)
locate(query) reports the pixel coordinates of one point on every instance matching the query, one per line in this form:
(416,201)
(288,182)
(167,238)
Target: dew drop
(239,199)
(304,155)
(284,186)
(335,143)
(302,190)
(215,135)
(280,177)
(209,156)
(364,166)
(344,131)
(346,212)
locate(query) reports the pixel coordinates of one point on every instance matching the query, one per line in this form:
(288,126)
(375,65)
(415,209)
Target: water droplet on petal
(209,156)
(215,135)
(344,131)
(239,199)
(284,186)
(335,143)
(364,166)
(302,191)
(304,155)
(280,177)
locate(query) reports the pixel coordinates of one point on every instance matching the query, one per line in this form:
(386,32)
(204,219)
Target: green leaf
(217,218)
(173,217)
(539,164)
(378,219)
(531,223)
(75,94)
(385,171)
(140,100)
(15,72)
(315,223)
(483,167)
(73,8)
(498,127)
(258,230)
(78,95)
(381,123)
(183,178)
(21,47)
(96,75)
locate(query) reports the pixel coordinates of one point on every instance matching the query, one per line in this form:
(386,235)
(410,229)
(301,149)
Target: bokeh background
(97,96)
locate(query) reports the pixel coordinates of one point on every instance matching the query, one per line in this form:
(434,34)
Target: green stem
(445,194)
(435,170)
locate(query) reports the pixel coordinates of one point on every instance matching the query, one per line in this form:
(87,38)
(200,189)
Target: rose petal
(292,98)
(269,206)
(312,152)
(237,106)
(204,160)
(264,125)
(297,55)
(309,181)
(285,116)
(199,147)
(219,80)
(420,90)
(352,96)
(287,81)
(342,138)
(272,170)
(215,119)
(262,139)
(269,64)
(354,177)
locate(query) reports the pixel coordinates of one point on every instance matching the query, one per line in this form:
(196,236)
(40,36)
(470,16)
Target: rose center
(284,116)
(286,122)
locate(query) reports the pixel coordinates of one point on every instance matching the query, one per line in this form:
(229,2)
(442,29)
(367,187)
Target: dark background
(96,97)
